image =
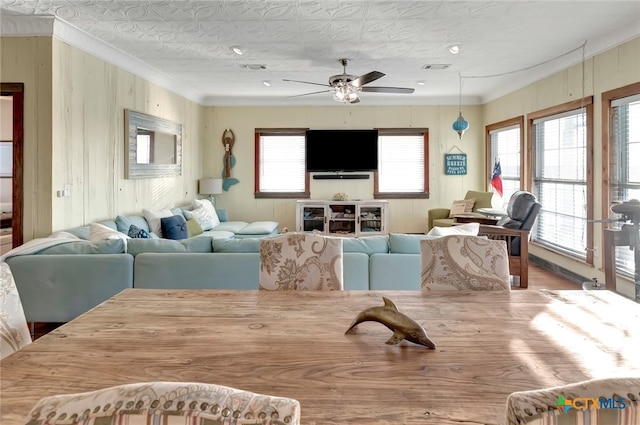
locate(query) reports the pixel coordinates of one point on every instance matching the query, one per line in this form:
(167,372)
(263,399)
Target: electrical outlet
(596,252)
(67,190)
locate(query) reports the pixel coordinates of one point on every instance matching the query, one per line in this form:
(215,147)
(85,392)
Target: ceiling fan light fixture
(237,50)
(454,49)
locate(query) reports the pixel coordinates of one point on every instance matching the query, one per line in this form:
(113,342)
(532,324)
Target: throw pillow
(193,228)
(461,229)
(98,232)
(204,213)
(457,207)
(153,218)
(136,232)
(174,227)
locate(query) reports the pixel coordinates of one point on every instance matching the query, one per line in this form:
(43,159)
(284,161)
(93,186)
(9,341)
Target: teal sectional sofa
(61,282)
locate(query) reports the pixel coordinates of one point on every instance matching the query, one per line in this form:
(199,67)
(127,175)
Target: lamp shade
(210,186)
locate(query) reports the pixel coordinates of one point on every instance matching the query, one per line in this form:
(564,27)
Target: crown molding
(25,26)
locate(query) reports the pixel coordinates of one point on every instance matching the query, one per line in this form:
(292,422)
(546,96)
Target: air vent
(253,66)
(436,66)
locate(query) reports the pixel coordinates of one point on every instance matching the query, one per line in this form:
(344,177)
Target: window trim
(607,98)
(256,166)
(405,195)
(511,122)
(587,103)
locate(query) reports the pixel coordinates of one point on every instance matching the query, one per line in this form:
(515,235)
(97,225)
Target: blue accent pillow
(137,233)
(174,227)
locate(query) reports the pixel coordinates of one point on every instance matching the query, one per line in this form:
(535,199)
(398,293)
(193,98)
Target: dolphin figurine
(402,326)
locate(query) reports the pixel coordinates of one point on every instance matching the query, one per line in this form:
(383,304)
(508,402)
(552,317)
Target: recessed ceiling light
(237,50)
(421,83)
(455,49)
(267,83)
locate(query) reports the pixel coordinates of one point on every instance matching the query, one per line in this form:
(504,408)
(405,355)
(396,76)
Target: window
(144,145)
(505,141)
(622,135)
(280,169)
(562,177)
(402,164)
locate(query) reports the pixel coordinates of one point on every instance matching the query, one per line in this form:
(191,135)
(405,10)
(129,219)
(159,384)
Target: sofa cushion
(259,228)
(482,199)
(153,218)
(124,222)
(366,244)
(222,214)
(236,245)
(204,213)
(174,227)
(461,229)
(403,243)
(106,246)
(193,227)
(98,232)
(231,226)
(137,246)
(216,234)
(136,232)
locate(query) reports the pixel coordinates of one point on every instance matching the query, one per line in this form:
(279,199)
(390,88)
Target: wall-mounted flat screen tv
(341,150)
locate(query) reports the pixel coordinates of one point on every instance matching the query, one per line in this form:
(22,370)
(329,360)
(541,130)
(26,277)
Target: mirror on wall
(153,146)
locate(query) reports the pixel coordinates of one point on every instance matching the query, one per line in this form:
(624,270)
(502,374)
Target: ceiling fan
(345,87)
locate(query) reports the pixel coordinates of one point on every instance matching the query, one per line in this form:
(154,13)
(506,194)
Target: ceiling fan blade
(399,90)
(307,82)
(307,94)
(367,78)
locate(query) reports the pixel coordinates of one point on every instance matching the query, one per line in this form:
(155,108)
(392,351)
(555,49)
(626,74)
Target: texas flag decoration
(496,178)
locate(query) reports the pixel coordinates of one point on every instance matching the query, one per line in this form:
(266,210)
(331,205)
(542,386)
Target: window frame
(587,104)
(607,98)
(504,125)
(276,195)
(405,195)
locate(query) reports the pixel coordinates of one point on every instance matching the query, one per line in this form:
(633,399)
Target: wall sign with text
(455,163)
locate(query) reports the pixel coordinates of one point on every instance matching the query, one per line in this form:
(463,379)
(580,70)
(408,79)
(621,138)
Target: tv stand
(340,176)
(342,218)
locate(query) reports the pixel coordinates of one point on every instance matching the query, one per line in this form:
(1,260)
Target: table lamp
(210,186)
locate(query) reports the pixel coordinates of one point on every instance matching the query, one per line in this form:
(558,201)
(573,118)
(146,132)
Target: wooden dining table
(293,344)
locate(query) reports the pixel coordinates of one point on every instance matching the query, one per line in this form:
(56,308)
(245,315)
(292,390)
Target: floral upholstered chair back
(14,331)
(464,262)
(165,403)
(608,401)
(301,261)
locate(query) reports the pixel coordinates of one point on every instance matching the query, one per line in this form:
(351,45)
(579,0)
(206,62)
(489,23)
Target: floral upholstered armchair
(464,262)
(165,403)
(301,261)
(14,331)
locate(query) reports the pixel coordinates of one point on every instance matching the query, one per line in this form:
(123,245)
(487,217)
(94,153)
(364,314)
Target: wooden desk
(292,344)
(470,218)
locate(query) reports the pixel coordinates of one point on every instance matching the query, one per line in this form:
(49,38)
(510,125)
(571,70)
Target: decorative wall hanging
(229,161)
(455,163)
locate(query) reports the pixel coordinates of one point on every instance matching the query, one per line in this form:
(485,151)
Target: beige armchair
(441,217)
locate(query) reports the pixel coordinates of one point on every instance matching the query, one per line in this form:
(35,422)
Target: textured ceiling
(508,44)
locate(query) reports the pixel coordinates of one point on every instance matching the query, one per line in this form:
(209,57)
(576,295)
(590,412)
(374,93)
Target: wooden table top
(293,344)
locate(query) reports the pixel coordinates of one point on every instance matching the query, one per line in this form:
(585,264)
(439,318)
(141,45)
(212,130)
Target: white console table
(342,218)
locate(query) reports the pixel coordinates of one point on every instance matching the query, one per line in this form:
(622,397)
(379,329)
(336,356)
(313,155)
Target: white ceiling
(185,45)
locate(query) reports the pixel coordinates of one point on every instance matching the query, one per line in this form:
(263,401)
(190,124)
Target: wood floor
(539,278)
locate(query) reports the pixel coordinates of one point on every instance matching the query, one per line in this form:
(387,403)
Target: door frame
(16,91)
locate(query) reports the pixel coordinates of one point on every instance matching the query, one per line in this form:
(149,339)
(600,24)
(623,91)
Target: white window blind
(282,163)
(560,171)
(401,163)
(625,165)
(504,145)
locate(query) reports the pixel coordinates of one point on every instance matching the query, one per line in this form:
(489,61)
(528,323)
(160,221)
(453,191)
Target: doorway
(11,165)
